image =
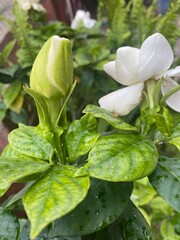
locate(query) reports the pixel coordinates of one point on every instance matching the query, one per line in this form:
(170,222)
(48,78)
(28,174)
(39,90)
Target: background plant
(125,24)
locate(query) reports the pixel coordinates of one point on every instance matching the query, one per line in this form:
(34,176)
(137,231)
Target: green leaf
(55,194)
(143,192)
(3,191)
(175,140)
(81,136)
(11,93)
(7,74)
(103,204)
(10,152)
(122,157)
(166,180)
(2,111)
(134,225)
(109,117)
(21,117)
(167,229)
(131,225)
(19,195)
(25,233)
(14,169)
(9,225)
(28,141)
(6,52)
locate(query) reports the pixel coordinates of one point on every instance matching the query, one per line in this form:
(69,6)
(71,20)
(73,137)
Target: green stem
(157,91)
(150,86)
(58,148)
(168,94)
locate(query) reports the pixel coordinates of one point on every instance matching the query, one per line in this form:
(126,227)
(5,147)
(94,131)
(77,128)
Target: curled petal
(174,100)
(155,57)
(170,73)
(123,101)
(109,68)
(127,65)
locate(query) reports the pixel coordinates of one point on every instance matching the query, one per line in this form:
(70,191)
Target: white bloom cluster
(28,4)
(82,19)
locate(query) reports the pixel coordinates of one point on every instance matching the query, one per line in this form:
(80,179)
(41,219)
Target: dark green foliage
(130,24)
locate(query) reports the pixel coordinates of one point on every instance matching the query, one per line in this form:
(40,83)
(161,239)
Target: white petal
(155,57)
(170,73)
(123,101)
(109,68)
(127,65)
(174,100)
(38,7)
(89,23)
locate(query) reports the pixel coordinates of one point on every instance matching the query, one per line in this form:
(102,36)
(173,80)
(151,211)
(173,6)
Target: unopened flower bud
(52,71)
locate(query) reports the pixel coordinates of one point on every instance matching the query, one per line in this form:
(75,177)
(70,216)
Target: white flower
(82,19)
(28,4)
(133,67)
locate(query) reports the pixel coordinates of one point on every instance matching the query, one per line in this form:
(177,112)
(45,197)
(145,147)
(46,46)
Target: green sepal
(41,105)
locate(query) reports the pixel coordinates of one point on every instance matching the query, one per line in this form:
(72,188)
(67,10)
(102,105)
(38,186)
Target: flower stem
(150,86)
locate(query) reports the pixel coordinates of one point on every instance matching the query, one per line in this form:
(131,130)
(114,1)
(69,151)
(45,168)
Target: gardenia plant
(79,180)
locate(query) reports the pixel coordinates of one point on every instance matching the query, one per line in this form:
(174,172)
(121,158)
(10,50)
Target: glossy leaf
(166,180)
(109,117)
(81,136)
(131,225)
(25,234)
(121,157)
(134,224)
(55,194)
(103,204)
(28,141)
(9,227)
(14,169)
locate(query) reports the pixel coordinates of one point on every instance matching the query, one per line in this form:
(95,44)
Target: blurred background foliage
(119,23)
